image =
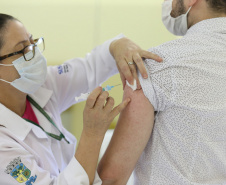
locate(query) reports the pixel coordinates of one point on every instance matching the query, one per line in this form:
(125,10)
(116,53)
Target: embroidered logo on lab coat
(20,172)
(63,69)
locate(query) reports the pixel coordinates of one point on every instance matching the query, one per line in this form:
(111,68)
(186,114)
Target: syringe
(84,96)
(108,87)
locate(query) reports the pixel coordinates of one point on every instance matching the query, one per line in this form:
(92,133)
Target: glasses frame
(36,41)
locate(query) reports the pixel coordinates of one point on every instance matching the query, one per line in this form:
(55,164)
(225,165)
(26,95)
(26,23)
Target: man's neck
(198,14)
(204,18)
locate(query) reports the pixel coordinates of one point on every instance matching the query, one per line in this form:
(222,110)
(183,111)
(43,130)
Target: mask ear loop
(5,81)
(188,11)
(185,14)
(6,64)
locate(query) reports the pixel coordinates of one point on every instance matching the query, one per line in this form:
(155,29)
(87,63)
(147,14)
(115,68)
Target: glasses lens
(40,44)
(28,53)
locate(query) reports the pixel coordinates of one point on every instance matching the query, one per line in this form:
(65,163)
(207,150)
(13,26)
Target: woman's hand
(99,112)
(125,51)
(97,117)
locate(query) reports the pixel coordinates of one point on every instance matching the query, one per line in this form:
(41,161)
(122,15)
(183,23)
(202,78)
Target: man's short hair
(218,6)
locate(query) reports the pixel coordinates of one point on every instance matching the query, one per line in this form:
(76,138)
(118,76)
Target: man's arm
(129,139)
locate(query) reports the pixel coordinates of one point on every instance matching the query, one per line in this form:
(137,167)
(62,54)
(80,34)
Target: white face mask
(177,26)
(32,73)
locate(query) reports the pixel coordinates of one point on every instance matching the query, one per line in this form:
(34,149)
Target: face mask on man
(32,73)
(177,26)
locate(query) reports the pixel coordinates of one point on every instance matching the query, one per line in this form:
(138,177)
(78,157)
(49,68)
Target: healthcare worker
(35,148)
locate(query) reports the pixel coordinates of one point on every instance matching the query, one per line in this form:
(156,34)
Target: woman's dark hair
(4,18)
(218,6)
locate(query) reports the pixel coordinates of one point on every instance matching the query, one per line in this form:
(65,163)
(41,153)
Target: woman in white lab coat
(35,148)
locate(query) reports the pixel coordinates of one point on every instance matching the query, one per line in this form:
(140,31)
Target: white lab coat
(51,161)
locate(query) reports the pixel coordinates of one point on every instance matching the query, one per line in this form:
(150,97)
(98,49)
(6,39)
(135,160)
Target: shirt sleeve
(82,177)
(19,166)
(81,75)
(158,87)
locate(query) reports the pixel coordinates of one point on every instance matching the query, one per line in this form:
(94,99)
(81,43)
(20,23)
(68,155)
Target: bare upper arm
(129,139)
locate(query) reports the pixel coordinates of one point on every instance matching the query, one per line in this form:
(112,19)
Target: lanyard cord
(49,119)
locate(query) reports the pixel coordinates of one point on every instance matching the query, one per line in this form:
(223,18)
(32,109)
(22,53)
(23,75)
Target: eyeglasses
(37,43)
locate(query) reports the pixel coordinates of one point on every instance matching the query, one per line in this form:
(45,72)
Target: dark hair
(218,6)
(4,18)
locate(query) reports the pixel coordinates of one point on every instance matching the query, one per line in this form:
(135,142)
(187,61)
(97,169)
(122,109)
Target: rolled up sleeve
(158,87)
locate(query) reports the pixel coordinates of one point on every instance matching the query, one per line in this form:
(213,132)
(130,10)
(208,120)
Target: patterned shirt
(188,93)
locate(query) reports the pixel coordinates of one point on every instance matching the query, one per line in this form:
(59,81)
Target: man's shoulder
(170,48)
(168,51)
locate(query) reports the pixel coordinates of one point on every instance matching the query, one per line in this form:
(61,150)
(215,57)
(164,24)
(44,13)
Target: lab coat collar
(18,125)
(42,96)
(14,123)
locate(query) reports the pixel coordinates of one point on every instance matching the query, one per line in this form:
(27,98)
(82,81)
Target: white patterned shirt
(188,92)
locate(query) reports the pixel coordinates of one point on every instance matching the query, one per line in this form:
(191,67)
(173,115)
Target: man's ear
(192,2)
